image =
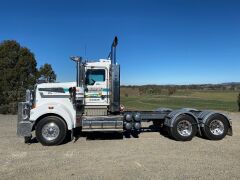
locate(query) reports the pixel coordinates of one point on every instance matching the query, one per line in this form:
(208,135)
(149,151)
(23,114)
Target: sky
(160,41)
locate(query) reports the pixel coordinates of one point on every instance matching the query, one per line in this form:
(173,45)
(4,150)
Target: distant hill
(209,84)
(222,86)
(231,83)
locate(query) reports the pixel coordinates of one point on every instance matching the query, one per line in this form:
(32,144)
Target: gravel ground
(151,156)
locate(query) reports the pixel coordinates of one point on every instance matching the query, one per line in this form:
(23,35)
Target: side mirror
(28,98)
(72,92)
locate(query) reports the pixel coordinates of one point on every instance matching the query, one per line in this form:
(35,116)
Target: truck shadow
(32,141)
(107,135)
(103,135)
(162,131)
(118,135)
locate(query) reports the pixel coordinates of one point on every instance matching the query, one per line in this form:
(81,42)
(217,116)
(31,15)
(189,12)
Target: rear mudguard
(172,117)
(205,115)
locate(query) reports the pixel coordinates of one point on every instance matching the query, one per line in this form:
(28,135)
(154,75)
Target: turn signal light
(33,106)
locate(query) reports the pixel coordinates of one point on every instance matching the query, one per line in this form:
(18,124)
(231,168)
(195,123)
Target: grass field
(199,99)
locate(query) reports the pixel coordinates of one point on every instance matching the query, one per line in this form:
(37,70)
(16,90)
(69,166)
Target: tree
(18,72)
(46,72)
(238,101)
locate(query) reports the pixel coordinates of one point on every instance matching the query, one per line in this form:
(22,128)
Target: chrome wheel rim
(184,128)
(216,127)
(50,131)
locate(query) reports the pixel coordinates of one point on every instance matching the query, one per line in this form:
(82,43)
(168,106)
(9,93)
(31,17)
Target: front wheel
(184,128)
(51,131)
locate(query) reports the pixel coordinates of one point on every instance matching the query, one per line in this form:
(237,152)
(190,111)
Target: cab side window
(95,75)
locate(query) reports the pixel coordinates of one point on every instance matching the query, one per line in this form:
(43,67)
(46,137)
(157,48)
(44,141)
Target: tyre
(51,131)
(215,128)
(184,128)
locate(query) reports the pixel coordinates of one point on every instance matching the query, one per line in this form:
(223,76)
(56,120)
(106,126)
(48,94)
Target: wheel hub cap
(216,127)
(50,131)
(184,128)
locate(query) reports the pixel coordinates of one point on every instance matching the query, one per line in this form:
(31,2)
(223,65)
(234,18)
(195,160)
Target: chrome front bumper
(24,125)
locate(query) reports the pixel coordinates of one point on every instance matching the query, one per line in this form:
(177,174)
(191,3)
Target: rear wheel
(184,128)
(215,128)
(51,131)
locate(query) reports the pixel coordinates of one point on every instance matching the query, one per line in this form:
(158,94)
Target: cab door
(97,89)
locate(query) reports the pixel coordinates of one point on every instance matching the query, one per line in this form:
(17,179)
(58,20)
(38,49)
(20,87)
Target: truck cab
(85,104)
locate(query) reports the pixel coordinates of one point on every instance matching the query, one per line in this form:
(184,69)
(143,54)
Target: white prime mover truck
(92,103)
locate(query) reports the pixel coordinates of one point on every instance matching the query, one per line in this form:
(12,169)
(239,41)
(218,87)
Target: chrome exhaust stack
(78,61)
(112,54)
(114,79)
